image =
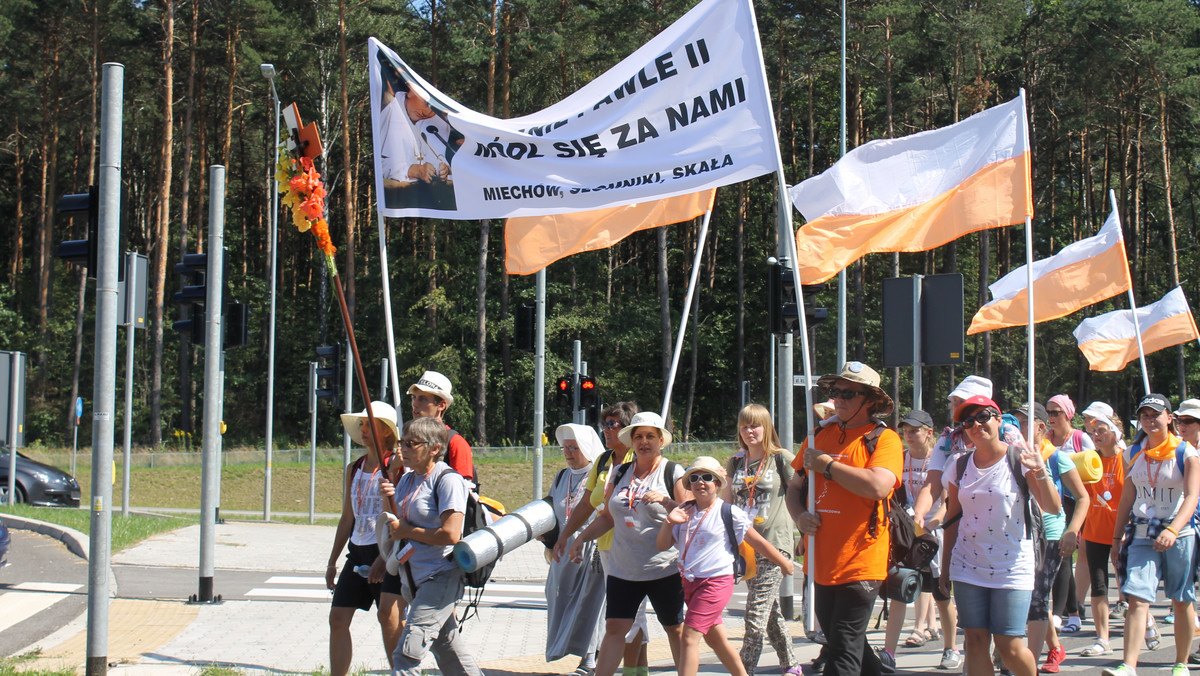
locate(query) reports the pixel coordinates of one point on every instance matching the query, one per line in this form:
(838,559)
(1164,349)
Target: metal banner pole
(211,430)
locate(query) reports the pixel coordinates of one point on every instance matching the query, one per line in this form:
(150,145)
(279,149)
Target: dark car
(38,483)
(4,542)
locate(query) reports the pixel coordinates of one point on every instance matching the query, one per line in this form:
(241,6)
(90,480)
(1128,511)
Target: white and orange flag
(1110,341)
(1083,273)
(533,242)
(917,192)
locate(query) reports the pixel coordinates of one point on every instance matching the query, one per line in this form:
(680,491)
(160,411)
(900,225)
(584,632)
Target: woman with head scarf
(1068,440)
(574,593)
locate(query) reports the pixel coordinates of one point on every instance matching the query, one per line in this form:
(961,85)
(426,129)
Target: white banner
(689,110)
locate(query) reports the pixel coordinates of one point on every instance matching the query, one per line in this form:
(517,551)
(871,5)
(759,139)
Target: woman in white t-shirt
(1153,540)
(989,553)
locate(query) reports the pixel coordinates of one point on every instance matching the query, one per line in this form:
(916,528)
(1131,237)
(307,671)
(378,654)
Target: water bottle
(362,570)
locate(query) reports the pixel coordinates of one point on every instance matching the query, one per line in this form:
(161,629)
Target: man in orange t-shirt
(849,561)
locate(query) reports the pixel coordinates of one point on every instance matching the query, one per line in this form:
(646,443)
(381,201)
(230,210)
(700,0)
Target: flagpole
(687,307)
(397,396)
(1029,419)
(787,242)
(1137,329)
(841,311)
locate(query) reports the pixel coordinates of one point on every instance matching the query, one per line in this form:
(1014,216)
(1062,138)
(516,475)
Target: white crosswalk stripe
(26,599)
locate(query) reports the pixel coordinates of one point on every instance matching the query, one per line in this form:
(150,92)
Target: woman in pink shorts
(699,529)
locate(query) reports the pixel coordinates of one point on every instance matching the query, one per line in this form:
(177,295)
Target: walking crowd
(1030,516)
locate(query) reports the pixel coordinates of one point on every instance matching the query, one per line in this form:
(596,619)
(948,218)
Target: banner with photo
(687,111)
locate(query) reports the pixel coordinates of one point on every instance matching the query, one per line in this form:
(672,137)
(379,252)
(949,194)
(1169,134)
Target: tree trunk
(347,166)
(1166,161)
(162,235)
(44,257)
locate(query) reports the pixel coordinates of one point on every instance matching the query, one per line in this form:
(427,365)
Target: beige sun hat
(861,374)
(645,419)
(705,463)
(383,412)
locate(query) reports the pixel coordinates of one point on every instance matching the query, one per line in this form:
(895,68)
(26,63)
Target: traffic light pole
(105,369)
(312,441)
(539,382)
(130,331)
(211,429)
(577,416)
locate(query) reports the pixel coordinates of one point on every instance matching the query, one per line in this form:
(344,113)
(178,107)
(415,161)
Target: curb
(75,541)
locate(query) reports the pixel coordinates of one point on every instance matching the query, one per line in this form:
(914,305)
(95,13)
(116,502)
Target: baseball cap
(1155,401)
(918,418)
(434,383)
(976,401)
(1039,411)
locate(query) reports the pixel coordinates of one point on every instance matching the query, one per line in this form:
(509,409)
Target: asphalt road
(43,588)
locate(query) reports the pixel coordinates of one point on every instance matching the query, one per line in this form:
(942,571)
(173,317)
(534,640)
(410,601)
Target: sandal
(1096,649)
(932,634)
(916,640)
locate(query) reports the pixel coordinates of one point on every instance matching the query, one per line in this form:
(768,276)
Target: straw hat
(860,373)
(645,419)
(702,464)
(383,413)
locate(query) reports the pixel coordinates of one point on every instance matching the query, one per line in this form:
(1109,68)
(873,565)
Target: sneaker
(1072,625)
(1194,658)
(817,666)
(1180,669)
(952,659)
(1121,669)
(817,637)
(887,661)
(1117,612)
(1054,658)
(1100,647)
(797,670)
(1170,618)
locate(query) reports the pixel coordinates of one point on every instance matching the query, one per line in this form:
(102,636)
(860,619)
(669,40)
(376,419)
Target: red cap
(976,401)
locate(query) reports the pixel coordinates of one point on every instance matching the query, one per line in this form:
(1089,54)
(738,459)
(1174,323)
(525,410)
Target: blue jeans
(1145,567)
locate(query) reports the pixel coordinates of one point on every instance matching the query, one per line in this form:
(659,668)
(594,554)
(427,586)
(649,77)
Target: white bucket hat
(1098,409)
(434,383)
(1189,408)
(383,412)
(645,419)
(972,386)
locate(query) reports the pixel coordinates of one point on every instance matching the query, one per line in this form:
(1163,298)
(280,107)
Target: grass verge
(11,666)
(126,530)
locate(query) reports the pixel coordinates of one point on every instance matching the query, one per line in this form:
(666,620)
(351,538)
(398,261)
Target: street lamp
(268,71)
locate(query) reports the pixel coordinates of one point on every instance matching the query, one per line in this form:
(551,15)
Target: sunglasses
(1054,414)
(1187,421)
(612,425)
(411,444)
(981,418)
(705,477)
(844,395)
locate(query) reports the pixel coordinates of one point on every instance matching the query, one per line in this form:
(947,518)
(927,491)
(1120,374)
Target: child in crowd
(699,530)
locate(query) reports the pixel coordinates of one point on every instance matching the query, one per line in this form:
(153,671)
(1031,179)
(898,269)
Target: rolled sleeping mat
(518,527)
(903,585)
(1090,467)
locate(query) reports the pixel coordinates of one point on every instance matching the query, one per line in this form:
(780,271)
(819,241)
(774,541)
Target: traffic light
(524,328)
(82,251)
(329,373)
(813,315)
(194,270)
(562,392)
(236,325)
(588,396)
(782,316)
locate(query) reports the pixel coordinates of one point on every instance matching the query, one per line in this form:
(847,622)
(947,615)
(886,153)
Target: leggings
(1097,556)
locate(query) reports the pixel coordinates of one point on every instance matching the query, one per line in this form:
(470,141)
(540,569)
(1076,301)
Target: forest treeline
(1112,94)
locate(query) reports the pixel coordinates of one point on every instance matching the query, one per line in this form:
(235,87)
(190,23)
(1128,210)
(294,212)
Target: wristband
(828,473)
(1173,531)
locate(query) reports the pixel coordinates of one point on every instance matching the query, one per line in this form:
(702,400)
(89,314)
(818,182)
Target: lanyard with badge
(636,489)
(689,536)
(751,485)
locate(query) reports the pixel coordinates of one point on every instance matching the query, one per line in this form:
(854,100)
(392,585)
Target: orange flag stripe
(1114,354)
(999,194)
(532,243)
(1059,293)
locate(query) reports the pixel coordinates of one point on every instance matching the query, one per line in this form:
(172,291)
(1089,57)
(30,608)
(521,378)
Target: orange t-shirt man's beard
(845,551)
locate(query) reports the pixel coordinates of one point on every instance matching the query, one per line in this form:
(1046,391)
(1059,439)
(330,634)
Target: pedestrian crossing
(497,593)
(23,600)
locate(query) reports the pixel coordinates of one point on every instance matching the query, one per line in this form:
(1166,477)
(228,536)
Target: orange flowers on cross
(304,191)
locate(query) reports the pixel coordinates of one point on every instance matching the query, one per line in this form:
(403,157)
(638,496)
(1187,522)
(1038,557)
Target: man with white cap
(430,398)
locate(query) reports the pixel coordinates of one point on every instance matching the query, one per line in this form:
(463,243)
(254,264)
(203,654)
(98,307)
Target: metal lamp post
(268,71)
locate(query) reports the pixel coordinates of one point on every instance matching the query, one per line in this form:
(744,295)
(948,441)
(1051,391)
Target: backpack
(668,471)
(906,548)
(743,567)
(1035,529)
(450,437)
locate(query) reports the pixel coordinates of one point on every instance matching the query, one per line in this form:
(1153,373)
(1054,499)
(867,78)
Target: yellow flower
(300,221)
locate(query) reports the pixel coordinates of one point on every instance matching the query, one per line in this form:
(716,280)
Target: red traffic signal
(587,392)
